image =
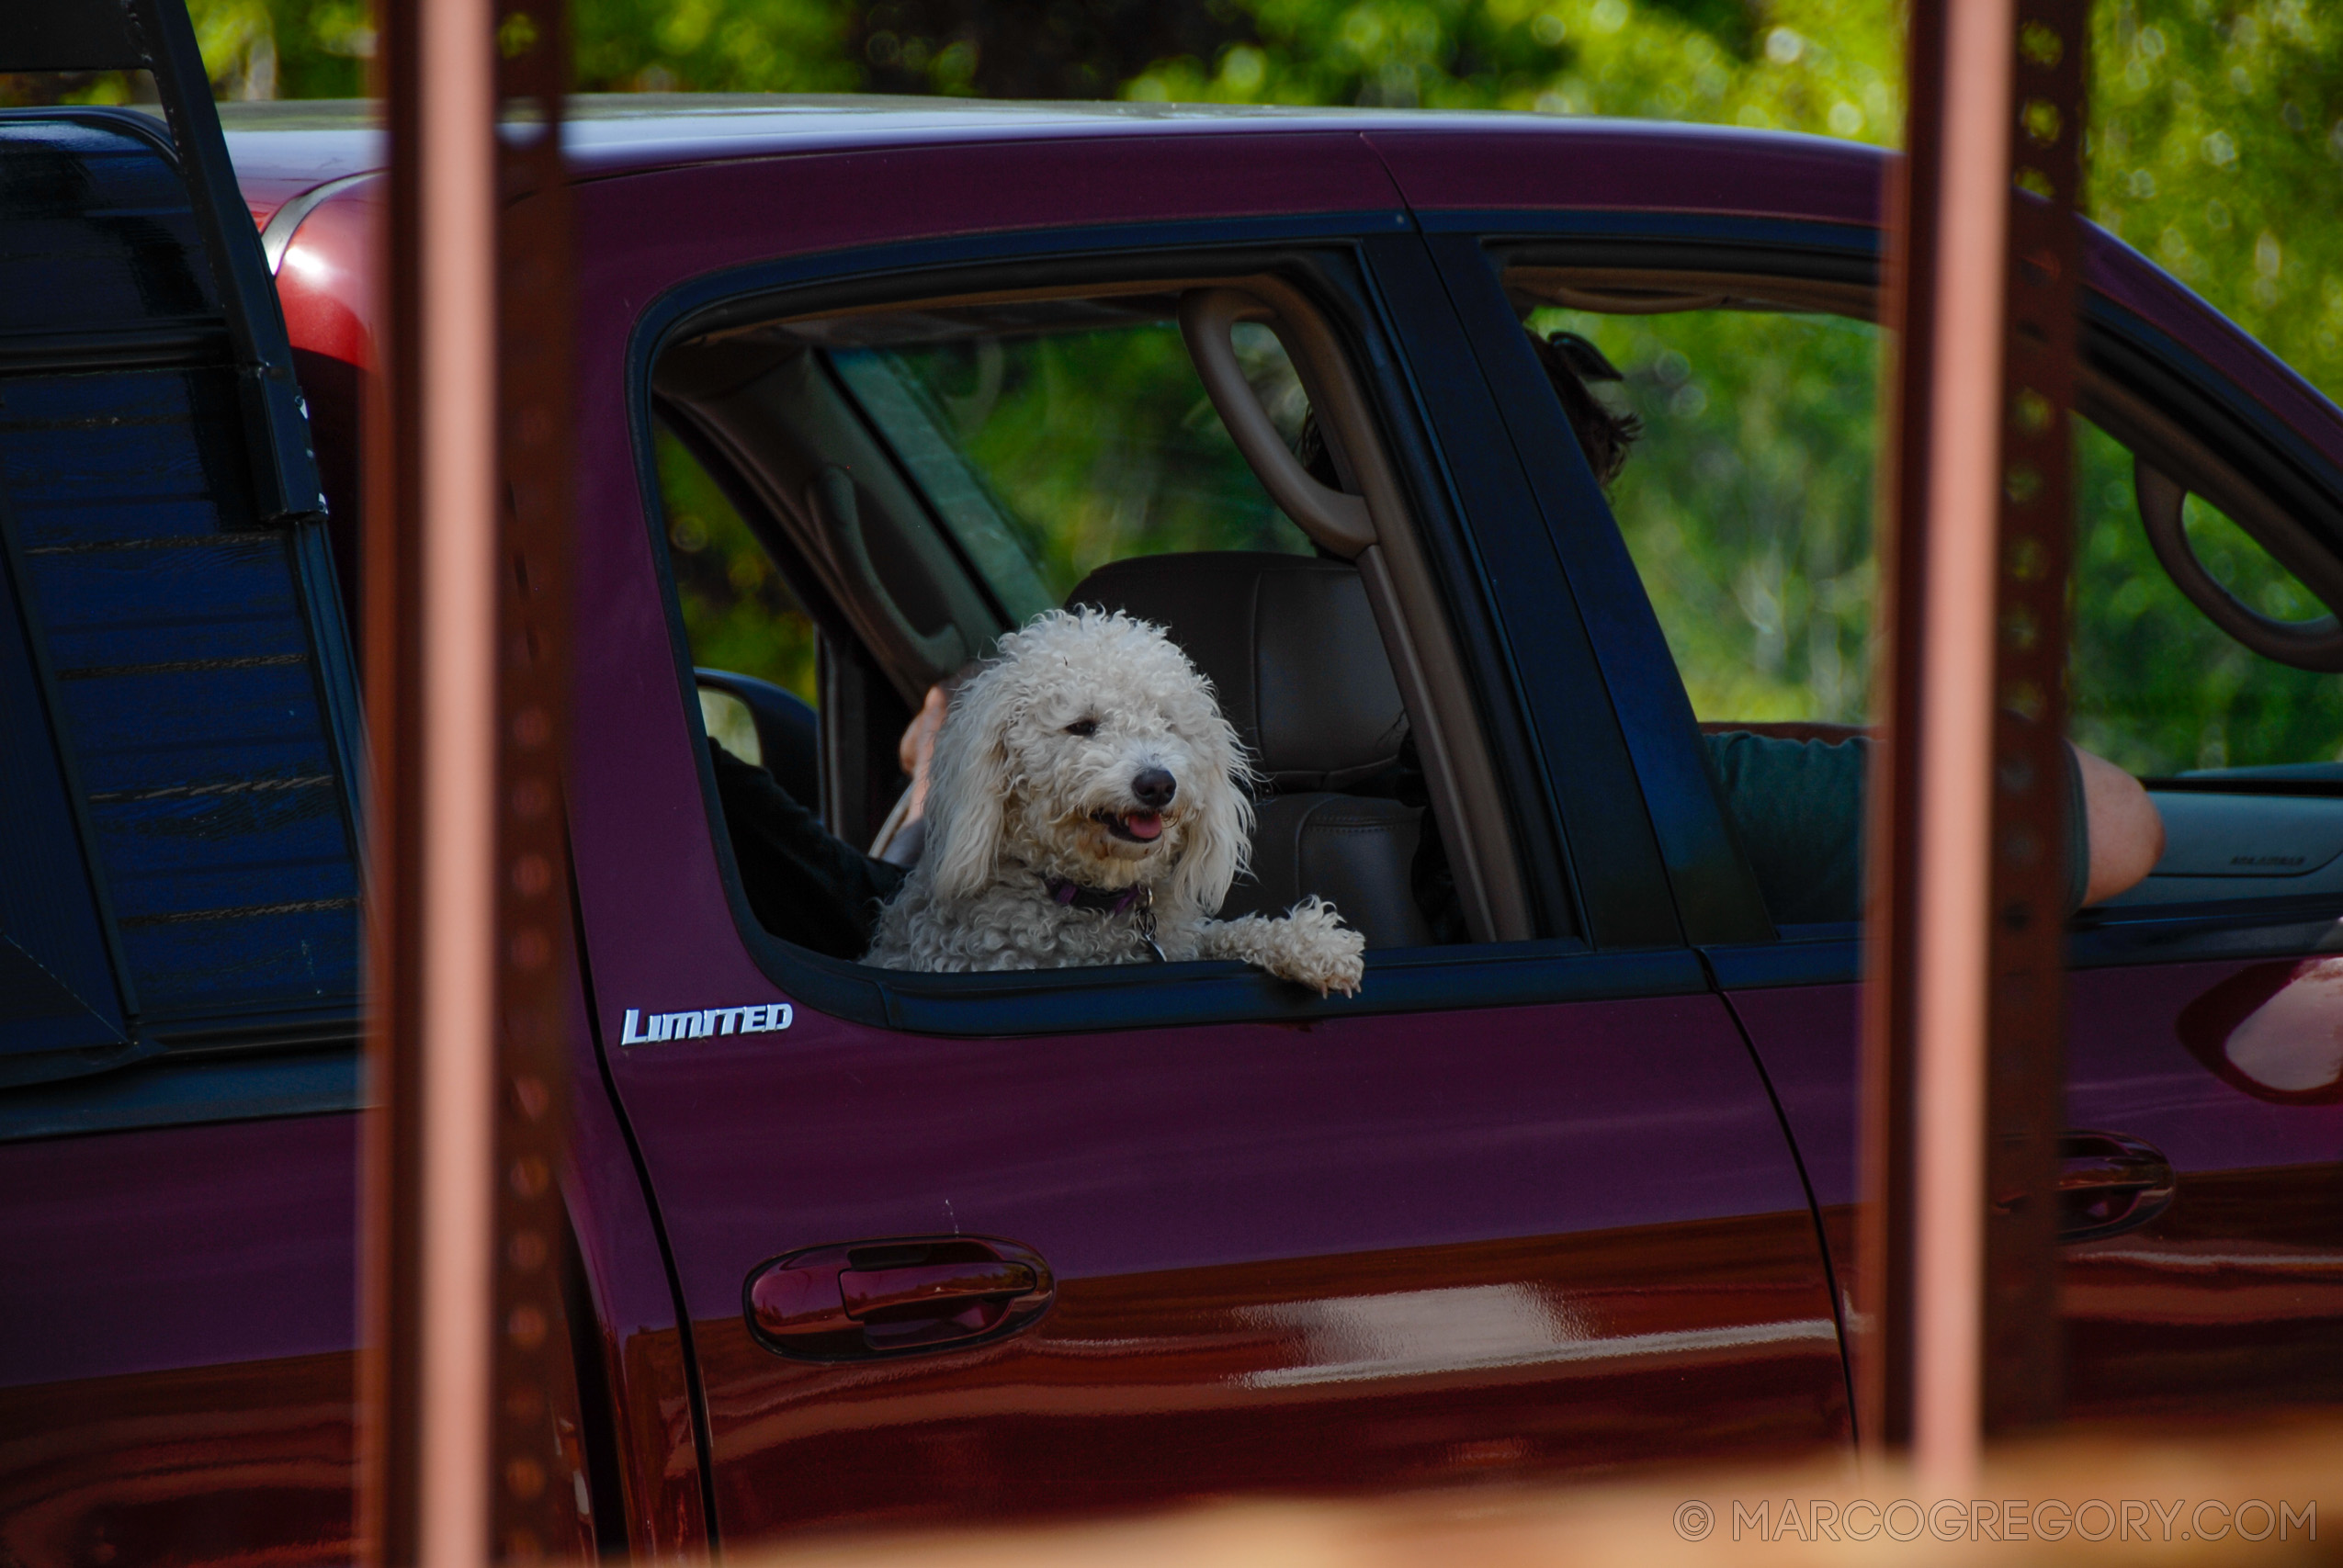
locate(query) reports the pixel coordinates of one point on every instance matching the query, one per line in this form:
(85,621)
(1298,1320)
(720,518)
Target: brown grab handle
(2315,644)
(1332,518)
(881,1298)
(871,1292)
(2110,1184)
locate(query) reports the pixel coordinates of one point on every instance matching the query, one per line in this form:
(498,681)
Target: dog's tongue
(1143,825)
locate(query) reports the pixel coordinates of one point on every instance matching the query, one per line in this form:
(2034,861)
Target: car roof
(284,147)
(1456,164)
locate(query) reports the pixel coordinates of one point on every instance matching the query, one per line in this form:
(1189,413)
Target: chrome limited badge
(699,1023)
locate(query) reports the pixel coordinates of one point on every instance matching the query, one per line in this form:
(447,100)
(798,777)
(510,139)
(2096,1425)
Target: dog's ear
(967,788)
(1220,829)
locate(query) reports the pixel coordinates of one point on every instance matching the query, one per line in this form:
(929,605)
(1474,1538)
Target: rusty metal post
(465,628)
(535,334)
(1882,1322)
(2025,1348)
(1965,1015)
(430,636)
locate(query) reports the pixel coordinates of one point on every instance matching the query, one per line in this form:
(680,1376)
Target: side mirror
(767,726)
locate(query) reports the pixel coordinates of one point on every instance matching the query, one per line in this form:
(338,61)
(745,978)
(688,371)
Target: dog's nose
(1154,787)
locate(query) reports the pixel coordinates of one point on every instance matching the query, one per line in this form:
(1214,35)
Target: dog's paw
(1320,952)
(1343,971)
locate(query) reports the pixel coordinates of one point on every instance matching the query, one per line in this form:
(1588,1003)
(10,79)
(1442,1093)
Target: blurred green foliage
(2155,687)
(712,46)
(1098,446)
(2218,147)
(1747,508)
(1746,503)
(737,613)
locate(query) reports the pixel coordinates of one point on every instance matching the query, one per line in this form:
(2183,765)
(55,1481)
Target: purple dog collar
(1073,894)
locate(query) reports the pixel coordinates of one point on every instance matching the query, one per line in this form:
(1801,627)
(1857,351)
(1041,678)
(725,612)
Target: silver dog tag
(1144,925)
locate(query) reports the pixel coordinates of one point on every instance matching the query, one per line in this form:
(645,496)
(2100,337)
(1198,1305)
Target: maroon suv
(1565,1188)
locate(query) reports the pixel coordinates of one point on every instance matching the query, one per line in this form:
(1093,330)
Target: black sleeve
(1431,881)
(806,885)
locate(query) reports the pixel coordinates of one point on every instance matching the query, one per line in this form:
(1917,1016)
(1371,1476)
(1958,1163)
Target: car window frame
(1574,740)
(1551,968)
(1713,885)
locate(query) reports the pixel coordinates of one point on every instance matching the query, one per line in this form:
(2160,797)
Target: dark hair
(1311,451)
(1604,436)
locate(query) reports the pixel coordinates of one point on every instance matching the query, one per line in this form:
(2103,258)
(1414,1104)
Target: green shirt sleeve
(1797,808)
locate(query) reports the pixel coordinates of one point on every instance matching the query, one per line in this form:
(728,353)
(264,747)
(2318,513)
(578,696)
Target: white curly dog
(1084,807)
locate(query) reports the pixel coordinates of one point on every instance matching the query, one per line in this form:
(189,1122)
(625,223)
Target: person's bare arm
(918,748)
(2127,831)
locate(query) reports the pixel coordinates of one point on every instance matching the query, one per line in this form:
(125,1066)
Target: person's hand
(917,748)
(2126,830)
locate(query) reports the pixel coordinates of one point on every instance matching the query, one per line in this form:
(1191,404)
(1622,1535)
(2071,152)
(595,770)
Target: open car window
(902,487)
(2157,688)
(1747,500)
(1747,503)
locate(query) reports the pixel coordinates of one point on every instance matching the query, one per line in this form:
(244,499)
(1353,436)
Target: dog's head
(1090,749)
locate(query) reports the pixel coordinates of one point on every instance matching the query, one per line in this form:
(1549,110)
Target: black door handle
(866,1299)
(2108,1184)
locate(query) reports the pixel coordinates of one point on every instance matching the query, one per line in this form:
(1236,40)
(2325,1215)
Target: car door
(2202,1079)
(1517,1209)
(2204,1132)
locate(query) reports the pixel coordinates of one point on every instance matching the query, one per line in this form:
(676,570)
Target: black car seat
(1291,648)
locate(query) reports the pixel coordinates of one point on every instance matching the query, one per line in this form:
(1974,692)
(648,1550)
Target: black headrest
(1290,645)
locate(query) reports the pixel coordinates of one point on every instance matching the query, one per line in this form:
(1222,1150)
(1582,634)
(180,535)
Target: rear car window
(181,869)
(1747,505)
